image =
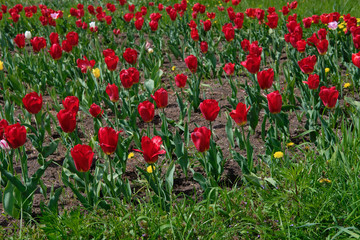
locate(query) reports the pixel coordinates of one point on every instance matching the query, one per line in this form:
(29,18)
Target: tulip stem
(111,176)
(115,114)
(86,180)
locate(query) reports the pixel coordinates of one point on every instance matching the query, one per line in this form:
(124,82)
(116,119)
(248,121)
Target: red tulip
(130,55)
(71,103)
(204,47)
(20,40)
(3,125)
(307,64)
(83,157)
(252,63)
(95,110)
(229,32)
(180,80)
(313,81)
(191,63)
(322,46)
(139,23)
(153,25)
(73,38)
(201,138)
(38,43)
(15,135)
(274,102)
(194,34)
(113,92)
(151,149)
(67,120)
(329,96)
(111,62)
(322,33)
(272,20)
(85,64)
(245,45)
(32,102)
(207,25)
(54,38)
(255,50)
(301,45)
(108,52)
(66,46)
(161,98)
(307,22)
(108,139)
(209,109)
(146,110)
(229,68)
(356,59)
(265,78)
(240,114)
(55,51)
(126,79)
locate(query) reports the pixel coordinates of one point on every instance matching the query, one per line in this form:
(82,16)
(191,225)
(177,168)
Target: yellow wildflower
(327,70)
(96,72)
(1,65)
(131,155)
(173,68)
(150,168)
(290,144)
(278,154)
(324,180)
(346,85)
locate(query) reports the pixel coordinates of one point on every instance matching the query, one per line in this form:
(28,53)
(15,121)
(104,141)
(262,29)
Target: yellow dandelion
(327,70)
(324,180)
(290,144)
(173,68)
(131,155)
(1,65)
(96,72)
(278,154)
(346,85)
(150,168)
(307,148)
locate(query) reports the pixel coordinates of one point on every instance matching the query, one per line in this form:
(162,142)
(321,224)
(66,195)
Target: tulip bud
(4,145)
(28,35)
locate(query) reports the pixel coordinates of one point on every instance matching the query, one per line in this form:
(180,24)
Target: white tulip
(92,24)
(28,35)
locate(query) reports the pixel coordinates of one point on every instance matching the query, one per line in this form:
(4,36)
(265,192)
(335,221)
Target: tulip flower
(180,80)
(209,109)
(161,98)
(191,63)
(130,55)
(252,64)
(73,38)
(229,32)
(204,47)
(3,125)
(113,92)
(146,110)
(55,51)
(265,78)
(67,120)
(66,46)
(4,145)
(129,77)
(329,96)
(20,40)
(32,102)
(194,34)
(322,46)
(108,139)
(313,81)
(201,138)
(27,34)
(151,149)
(245,45)
(229,68)
(239,115)
(54,38)
(356,59)
(274,102)
(301,46)
(83,157)
(111,62)
(85,64)
(95,110)
(307,64)
(71,103)
(15,135)
(38,43)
